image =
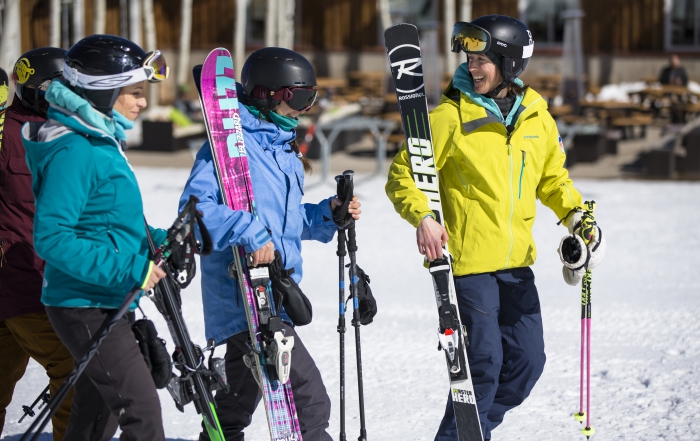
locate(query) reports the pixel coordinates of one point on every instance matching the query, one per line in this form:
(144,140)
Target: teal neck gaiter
(283,122)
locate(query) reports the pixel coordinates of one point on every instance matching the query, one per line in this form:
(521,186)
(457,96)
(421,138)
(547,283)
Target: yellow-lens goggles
(156,67)
(470,38)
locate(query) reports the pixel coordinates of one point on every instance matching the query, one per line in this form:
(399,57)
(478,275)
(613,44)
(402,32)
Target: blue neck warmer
(59,95)
(463,81)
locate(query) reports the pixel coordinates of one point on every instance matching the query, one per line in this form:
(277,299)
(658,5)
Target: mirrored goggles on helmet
(155,66)
(298,98)
(470,38)
(153,69)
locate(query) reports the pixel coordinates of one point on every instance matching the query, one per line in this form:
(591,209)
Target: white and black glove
(576,256)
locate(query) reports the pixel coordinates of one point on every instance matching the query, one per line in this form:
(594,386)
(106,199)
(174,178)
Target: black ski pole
(29,410)
(352,248)
(79,367)
(183,222)
(341,319)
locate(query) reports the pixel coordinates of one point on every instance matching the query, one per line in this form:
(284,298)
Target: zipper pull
(510,148)
(524,154)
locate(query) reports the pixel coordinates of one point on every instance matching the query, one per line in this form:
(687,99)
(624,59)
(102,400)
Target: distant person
(674,74)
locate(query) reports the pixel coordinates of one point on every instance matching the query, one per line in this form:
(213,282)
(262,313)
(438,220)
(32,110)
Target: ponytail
(304,161)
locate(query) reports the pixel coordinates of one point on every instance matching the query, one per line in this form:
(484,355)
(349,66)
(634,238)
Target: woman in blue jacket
(89,225)
(276,86)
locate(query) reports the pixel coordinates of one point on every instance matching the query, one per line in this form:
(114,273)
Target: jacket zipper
(522,170)
(512,198)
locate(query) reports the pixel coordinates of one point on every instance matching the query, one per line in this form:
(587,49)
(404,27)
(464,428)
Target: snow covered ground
(646,304)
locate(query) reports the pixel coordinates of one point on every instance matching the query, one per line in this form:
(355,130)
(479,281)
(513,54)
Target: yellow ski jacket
(489,180)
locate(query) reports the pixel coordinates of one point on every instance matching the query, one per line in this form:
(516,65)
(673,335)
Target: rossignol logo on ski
(406,60)
(463,396)
(234,141)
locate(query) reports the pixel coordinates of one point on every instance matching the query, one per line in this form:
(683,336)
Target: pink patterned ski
(220,107)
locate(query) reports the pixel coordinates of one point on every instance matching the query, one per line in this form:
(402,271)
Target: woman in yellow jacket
(497,150)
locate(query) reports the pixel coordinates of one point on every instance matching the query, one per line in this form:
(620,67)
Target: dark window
(683,21)
(544,19)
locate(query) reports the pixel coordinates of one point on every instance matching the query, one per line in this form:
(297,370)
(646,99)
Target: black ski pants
(235,409)
(117,371)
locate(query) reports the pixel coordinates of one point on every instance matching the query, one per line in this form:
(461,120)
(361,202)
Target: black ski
(403,50)
(196,381)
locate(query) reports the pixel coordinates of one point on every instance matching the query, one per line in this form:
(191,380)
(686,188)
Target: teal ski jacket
(89,223)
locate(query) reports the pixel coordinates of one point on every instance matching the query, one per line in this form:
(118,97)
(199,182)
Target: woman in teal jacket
(89,223)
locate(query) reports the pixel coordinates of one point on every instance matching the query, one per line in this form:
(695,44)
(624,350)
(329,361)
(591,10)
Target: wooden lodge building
(622,40)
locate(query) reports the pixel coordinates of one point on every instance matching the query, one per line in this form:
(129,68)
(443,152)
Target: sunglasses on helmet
(298,98)
(470,38)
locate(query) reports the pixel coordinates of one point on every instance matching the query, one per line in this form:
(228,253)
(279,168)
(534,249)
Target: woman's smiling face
(485,74)
(131,100)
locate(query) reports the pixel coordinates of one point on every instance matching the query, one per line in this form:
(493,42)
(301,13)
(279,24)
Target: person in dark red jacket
(25,330)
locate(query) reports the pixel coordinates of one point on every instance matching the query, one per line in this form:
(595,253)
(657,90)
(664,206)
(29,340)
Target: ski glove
(288,294)
(366,302)
(153,350)
(576,256)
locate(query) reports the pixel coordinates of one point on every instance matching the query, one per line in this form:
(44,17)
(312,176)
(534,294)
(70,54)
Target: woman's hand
(431,237)
(154,277)
(264,254)
(353,207)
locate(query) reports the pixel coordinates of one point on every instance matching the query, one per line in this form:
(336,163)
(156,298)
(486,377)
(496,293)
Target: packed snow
(645,344)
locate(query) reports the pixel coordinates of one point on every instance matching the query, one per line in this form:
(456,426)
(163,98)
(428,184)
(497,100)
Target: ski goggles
(298,98)
(470,38)
(154,69)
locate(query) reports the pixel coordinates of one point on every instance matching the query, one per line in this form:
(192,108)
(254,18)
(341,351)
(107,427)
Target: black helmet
(273,69)
(32,73)
(508,43)
(98,66)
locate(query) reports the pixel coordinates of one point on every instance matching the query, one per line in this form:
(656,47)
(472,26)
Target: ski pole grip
(341,217)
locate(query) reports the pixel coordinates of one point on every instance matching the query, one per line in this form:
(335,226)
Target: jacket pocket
(522,172)
(19,181)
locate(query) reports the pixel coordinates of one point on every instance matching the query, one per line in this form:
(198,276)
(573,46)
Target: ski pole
(79,367)
(182,225)
(352,248)
(588,229)
(29,410)
(341,326)
(344,193)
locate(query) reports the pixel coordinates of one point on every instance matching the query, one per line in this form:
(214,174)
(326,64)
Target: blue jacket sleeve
(227,227)
(60,200)
(318,221)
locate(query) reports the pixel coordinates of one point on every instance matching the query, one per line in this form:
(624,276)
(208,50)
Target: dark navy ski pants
(501,312)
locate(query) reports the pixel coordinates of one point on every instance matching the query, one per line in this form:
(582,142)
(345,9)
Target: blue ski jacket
(89,223)
(278,185)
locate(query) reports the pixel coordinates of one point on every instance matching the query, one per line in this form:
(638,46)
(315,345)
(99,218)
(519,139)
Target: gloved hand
(575,254)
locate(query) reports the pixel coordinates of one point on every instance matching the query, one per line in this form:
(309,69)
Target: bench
(628,123)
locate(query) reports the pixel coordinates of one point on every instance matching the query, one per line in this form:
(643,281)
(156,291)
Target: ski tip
(197,74)
(398,28)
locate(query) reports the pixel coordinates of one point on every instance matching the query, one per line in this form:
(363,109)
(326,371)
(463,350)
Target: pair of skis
(270,350)
(403,50)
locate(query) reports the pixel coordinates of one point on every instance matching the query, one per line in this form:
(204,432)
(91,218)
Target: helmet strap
(494,93)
